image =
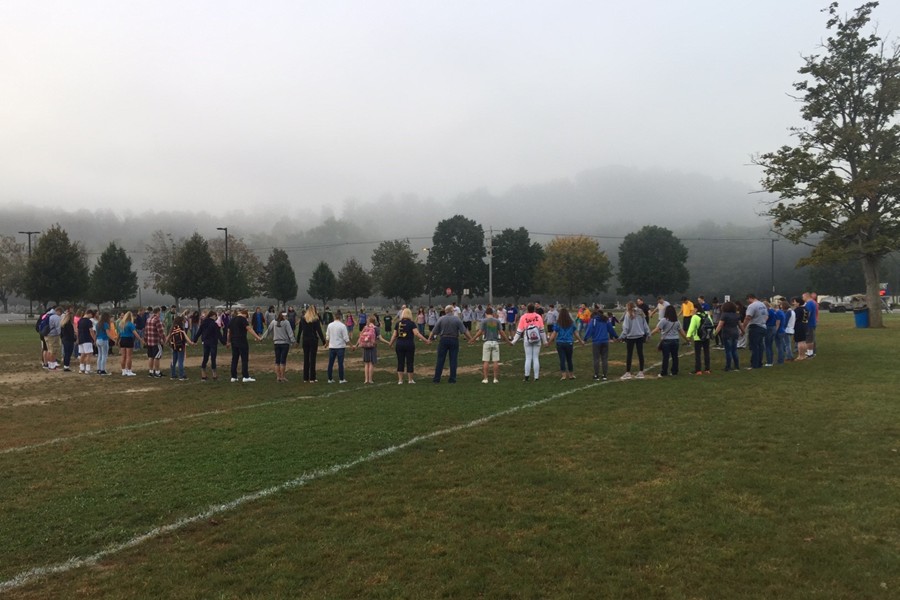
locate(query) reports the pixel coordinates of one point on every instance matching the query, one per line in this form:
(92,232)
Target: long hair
(670,315)
(311,315)
(406,314)
(729,307)
(126,318)
(629,309)
(565,319)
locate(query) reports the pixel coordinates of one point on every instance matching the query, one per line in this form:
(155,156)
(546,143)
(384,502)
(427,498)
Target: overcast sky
(125,105)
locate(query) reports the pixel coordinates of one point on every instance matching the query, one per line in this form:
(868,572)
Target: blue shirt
(565,335)
(779,314)
(773,316)
(812,311)
(511,314)
(127,331)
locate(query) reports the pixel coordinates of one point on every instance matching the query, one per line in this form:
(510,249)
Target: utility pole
(225,270)
(29,234)
(490,254)
(773,267)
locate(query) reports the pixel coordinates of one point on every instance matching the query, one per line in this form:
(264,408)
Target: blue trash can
(861,316)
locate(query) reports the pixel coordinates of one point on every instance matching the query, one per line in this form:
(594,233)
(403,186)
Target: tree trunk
(870,270)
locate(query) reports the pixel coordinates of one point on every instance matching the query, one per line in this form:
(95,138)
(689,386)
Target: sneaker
(604,378)
(131,374)
(411,381)
(331,381)
(399,383)
(640,375)
(767,365)
(661,375)
(496,381)
(707,372)
(173,378)
(596,378)
(66,369)
(234,380)
(526,378)
(342,381)
(626,376)
(182,379)
(698,373)
(484,381)
(203,379)
(247,380)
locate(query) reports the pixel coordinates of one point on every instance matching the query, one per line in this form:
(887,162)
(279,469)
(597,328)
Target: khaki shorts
(53,345)
(490,352)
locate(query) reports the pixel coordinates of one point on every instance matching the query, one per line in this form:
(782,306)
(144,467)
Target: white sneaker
(331,381)
(399,383)
(234,380)
(248,380)
(640,375)
(342,381)
(484,381)
(626,376)
(132,374)
(496,381)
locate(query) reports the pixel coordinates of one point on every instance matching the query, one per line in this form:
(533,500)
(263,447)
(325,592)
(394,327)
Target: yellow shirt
(687,309)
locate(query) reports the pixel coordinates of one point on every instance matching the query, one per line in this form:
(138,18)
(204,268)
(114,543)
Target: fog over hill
(609,202)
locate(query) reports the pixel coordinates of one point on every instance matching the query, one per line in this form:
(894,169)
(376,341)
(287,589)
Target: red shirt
(153,332)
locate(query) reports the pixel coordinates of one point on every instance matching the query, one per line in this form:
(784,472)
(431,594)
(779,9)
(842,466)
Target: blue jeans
(446,345)
(336,354)
(731,353)
(784,347)
(669,352)
(756,339)
(102,354)
(565,357)
(177,363)
(771,332)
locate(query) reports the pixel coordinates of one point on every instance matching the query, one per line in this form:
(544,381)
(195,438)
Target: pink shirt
(529,319)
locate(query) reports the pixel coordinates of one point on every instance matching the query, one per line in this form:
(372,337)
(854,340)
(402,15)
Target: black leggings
(209,355)
(242,353)
(630,344)
(310,347)
(405,357)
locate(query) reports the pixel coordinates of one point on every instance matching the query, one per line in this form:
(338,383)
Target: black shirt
(85,325)
(238,329)
(405,335)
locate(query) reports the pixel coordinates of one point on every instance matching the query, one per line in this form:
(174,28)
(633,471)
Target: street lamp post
(773,267)
(225,229)
(29,234)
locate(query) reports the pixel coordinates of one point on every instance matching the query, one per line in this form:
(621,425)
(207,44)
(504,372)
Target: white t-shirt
(337,335)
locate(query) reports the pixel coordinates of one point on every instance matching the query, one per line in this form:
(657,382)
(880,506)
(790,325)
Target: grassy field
(777,483)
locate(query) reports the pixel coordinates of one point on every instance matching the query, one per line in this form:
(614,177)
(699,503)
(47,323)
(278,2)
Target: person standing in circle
(531,330)
(600,331)
(730,329)
(309,336)
(491,330)
(565,336)
(670,330)
(86,340)
(635,332)
(211,336)
(238,331)
(403,339)
(338,337)
(102,329)
(448,329)
(368,340)
(283,336)
(127,335)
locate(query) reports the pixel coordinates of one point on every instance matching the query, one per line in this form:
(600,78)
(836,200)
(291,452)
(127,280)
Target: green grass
(781,483)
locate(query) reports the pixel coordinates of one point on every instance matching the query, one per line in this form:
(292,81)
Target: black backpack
(707,329)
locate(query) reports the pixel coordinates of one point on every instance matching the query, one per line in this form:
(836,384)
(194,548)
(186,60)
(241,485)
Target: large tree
(194,274)
(456,258)
(57,269)
(353,282)
(515,263)
(234,284)
(322,284)
(112,278)
(251,268)
(12,268)
(842,178)
(280,279)
(652,261)
(159,262)
(396,271)
(574,266)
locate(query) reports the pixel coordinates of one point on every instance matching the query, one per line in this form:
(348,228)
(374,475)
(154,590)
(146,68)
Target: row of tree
(456,264)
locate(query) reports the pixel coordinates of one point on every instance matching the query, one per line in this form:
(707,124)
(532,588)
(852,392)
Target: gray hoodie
(635,327)
(283,332)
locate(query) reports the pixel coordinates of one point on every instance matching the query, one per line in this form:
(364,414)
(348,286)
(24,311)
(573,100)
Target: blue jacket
(600,332)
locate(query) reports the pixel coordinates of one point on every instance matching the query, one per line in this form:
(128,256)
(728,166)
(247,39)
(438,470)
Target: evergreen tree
(516,259)
(280,280)
(12,268)
(456,258)
(322,284)
(112,278)
(194,275)
(353,282)
(652,261)
(57,269)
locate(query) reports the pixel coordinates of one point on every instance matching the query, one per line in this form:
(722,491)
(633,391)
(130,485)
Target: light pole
(773,267)
(29,234)
(490,256)
(225,270)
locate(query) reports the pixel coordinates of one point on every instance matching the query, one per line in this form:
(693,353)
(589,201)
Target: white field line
(76,562)
(209,413)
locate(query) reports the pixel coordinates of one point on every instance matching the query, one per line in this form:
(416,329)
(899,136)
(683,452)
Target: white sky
(126,105)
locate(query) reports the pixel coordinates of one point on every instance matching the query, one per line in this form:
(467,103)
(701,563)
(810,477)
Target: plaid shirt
(153,331)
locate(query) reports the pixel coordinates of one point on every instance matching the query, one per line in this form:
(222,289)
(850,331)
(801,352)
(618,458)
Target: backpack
(706,329)
(43,325)
(367,337)
(532,334)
